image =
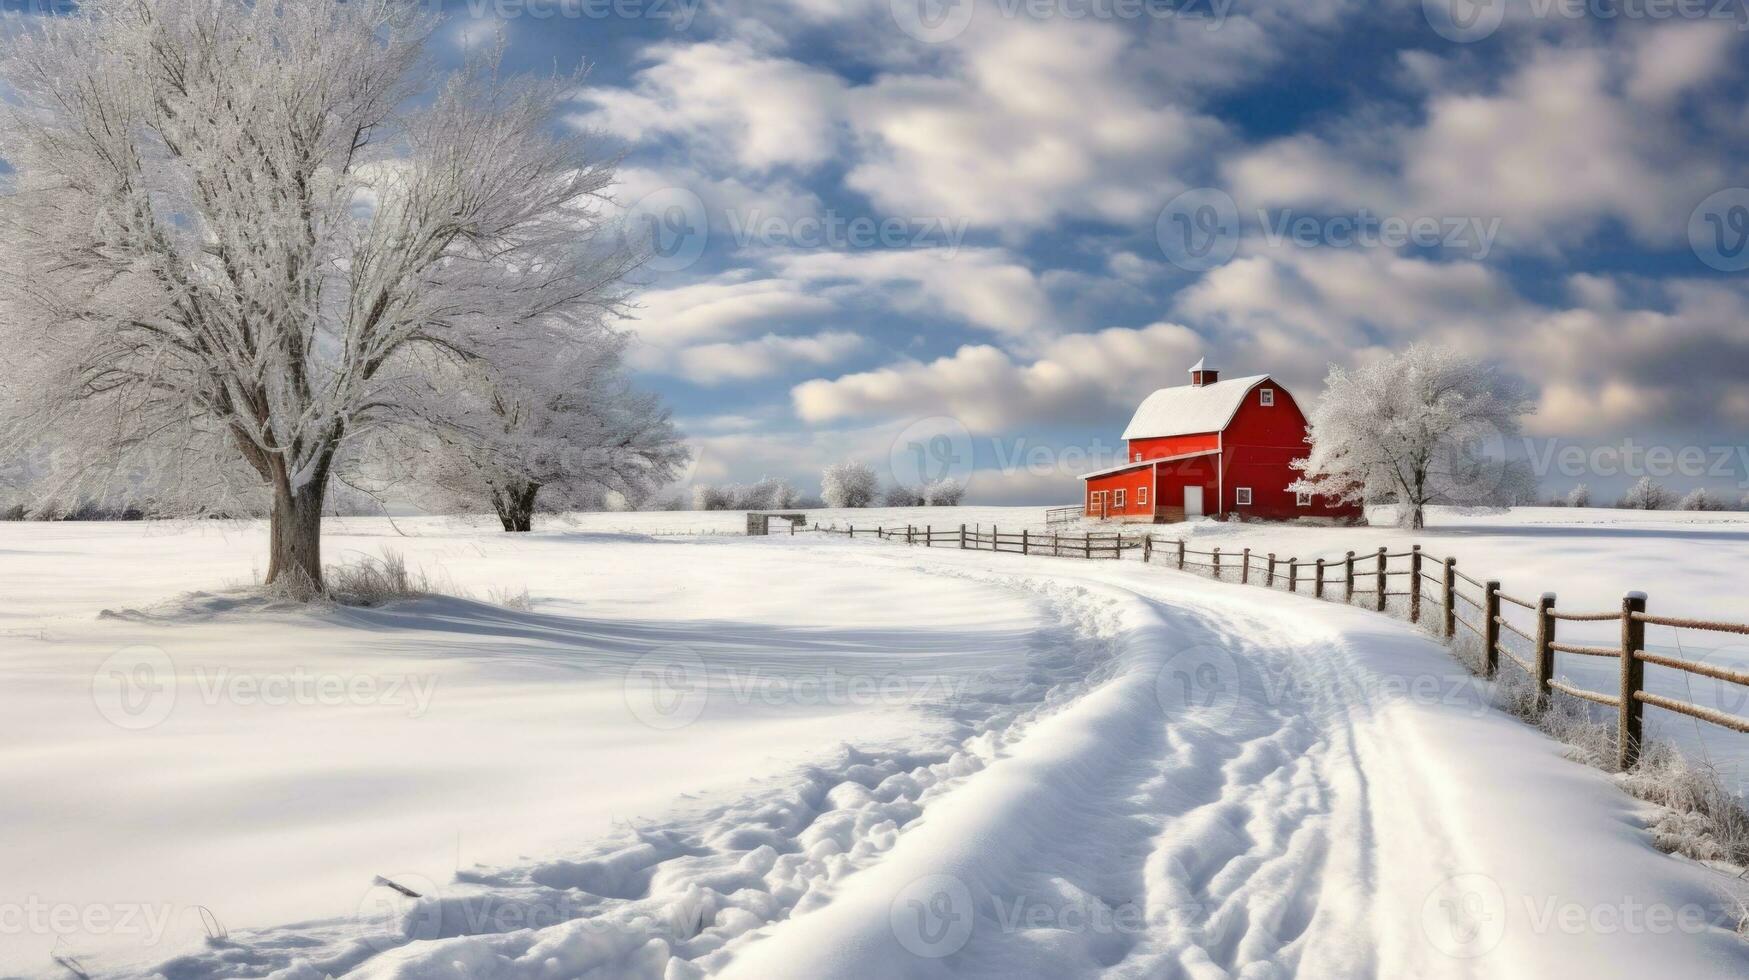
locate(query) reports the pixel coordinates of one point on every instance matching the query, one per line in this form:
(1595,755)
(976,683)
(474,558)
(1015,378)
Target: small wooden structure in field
(759,523)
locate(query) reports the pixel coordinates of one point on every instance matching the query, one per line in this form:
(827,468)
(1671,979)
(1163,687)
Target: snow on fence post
(1633,678)
(1217,563)
(1545,657)
(1181,554)
(1449,598)
(1269,577)
(1379,593)
(1348,578)
(1491,628)
(1415,584)
(1245,567)
(1318,584)
(1293,574)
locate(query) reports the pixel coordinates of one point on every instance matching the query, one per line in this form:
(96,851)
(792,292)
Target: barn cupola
(1201,374)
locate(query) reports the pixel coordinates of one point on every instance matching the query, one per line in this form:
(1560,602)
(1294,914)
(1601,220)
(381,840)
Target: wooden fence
(1374,577)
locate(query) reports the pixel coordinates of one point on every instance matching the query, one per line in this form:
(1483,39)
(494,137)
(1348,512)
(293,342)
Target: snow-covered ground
(808,756)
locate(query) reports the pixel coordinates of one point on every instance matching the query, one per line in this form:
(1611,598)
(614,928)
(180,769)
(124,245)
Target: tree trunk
(515,507)
(297,538)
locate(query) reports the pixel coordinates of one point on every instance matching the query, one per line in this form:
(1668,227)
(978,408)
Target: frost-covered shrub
(1700,499)
(848,484)
(1648,494)
(899,495)
(944,493)
(1579,496)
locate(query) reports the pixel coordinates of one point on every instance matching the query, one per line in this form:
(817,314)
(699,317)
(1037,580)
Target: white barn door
(1192,502)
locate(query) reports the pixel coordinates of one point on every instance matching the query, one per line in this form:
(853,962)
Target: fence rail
(1367,574)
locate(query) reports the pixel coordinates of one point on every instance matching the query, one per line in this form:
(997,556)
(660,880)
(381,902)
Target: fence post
(1245,567)
(1269,579)
(1181,554)
(929,535)
(1450,598)
(1491,629)
(1056,552)
(962,537)
(1383,582)
(1415,584)
(1318,584)
(1633,678)
(910,534)
(1148,547)
(995,539)
(1545,657)
(853,529)
(1087,546)
(1348,578)
(1293,574)
(1025,542)
(1217,563)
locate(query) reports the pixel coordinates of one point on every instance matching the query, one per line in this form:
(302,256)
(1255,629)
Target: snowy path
(1157,776)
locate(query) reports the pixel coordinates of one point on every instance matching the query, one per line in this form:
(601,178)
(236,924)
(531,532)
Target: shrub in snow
(1699,499)
(768,494)
(848,485)
(1424,427)
(250,247)
(899,495)
(944,493)
(1648,494)
(1579,496)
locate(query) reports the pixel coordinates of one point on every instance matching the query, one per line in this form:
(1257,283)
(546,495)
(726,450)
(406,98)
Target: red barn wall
(1201,471)
(1163,446)
(1259,445)
(1132,482)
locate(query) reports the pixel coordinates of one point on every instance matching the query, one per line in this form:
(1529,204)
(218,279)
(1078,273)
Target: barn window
(1266,396)
(1142,496)
(1117,499)
(1244,496)
(1303,498)
(1138,457)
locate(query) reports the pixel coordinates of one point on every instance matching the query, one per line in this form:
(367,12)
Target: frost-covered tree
(240,234)
(563,435)
(848,484)
(1579,496)
(944,493)
(1425,427)
(1700,499)
(1647,494)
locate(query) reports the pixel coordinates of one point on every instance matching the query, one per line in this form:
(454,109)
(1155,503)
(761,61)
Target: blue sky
(969,232)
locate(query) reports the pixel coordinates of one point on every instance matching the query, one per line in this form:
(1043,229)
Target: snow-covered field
(696,753)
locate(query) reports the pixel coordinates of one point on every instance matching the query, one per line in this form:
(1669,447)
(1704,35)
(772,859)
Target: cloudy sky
(1003,222)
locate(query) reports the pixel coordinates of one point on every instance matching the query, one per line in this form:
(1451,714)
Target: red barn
(1214,448)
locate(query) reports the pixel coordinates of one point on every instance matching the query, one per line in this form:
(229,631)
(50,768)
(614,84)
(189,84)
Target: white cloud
(1039,121)
(1078,378)
(764,357)
(727,100)
(1553,151)
(721,307)
(986,287)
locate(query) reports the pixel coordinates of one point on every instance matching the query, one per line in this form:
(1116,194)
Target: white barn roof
(1189,409)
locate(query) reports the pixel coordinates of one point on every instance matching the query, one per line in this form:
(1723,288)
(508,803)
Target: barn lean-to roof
(1190,409)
